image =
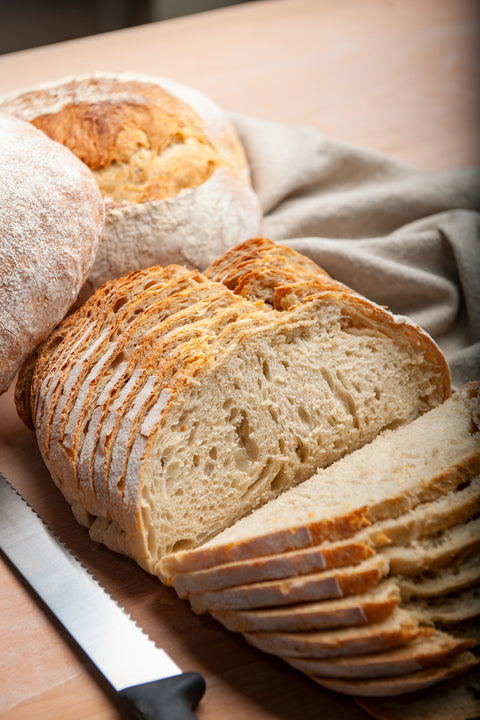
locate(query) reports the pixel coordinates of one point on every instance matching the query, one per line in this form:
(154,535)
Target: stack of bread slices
(366,576)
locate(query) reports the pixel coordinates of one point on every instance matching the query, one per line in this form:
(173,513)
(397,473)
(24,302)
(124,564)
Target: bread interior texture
(258,416)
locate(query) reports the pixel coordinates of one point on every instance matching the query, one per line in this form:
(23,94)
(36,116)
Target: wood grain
(397,75)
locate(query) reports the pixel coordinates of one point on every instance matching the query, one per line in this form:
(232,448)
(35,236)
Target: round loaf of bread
(51,220)
(168,162)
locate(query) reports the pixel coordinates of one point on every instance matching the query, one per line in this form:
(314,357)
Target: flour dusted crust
(51,219)
(168,161)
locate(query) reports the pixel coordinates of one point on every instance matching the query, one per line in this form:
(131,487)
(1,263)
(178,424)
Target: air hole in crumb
(474,427)
(304,416)
(227,404)
(245,439)
(196,460)
(394,424)
(273,413)
(281,479)
(302,451)
(266,370)
(117,360)
(184,544)
(213,453)
(119,304)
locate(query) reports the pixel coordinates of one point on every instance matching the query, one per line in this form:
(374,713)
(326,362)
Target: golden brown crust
(141,142)
(120,143)
(260,253)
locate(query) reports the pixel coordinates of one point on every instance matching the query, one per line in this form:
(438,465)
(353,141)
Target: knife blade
(148,682)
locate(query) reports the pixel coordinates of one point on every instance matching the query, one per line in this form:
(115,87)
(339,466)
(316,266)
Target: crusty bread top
(51,219)
(144,138)
(168,161)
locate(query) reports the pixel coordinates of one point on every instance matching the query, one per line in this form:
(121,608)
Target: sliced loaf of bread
(169,406)
(420,515)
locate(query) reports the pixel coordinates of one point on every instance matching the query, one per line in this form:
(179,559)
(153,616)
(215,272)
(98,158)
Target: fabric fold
(405,237)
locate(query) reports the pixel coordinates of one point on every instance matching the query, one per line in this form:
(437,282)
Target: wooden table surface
(397,75)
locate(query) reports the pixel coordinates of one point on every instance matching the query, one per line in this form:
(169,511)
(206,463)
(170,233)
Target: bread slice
(401,684)
(425,652)
(335,583)
(284,392)
(399,628)
(434,552)
(359,609)
(457,699)
(448,609)
(426,518)
(397,471)
(436,583)
(273,567)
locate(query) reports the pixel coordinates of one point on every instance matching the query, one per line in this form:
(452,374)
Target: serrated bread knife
(148,682)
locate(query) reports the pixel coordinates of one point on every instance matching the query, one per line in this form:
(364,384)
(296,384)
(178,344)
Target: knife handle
(171,698)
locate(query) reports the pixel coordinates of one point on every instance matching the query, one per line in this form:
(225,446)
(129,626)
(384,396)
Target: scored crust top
(141,141)
(168,161)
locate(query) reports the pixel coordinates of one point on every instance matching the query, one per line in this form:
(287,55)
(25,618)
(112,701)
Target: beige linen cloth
(403,237)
